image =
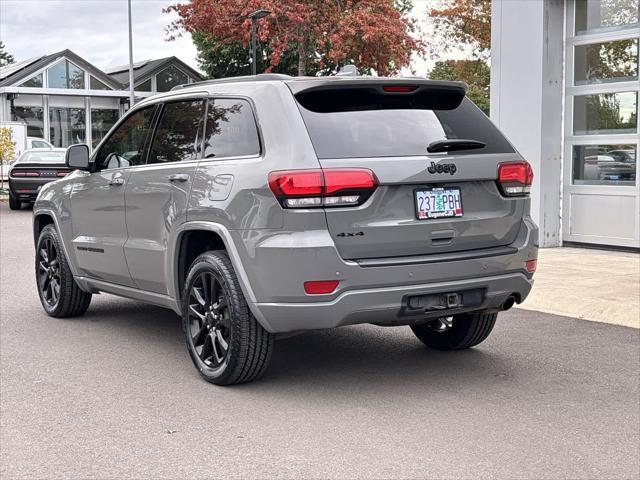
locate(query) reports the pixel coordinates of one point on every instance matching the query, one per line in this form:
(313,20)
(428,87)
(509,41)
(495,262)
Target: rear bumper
(277,266)
(387,306)
(27,189)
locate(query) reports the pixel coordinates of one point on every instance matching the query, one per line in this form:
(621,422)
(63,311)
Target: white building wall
(527,39)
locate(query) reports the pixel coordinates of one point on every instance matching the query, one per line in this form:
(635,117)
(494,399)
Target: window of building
(604,164)
(169,78)
(65,74)
(593,16)
(144,86)
(33,117)
(34,82)
(102,120)
(66,126)
(605,113)
(606,62)
(230,130)
(96,84)
(179,132)
(125,146)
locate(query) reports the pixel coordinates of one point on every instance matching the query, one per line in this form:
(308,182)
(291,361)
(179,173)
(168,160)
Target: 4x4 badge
(442,168)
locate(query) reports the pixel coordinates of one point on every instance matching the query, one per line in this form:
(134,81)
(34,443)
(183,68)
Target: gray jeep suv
(268,205)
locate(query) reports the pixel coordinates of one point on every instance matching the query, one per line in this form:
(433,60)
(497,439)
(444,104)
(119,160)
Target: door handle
(116,182)
(178,177)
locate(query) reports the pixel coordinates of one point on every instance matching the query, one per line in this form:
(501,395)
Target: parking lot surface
(113,394)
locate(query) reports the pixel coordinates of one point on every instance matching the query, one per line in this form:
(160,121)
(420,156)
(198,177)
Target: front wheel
(59,294)
(461,331)
(226,343)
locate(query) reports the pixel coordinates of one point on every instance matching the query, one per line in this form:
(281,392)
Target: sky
(97,30)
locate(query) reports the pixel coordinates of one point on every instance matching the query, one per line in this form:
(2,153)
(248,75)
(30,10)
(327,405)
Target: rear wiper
(451,144)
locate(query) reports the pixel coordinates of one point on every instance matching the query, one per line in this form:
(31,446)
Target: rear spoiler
(330,94)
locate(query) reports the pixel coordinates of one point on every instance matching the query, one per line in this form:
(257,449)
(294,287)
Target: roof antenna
(347,71)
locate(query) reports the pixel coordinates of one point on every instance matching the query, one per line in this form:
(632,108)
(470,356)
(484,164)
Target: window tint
(231,129)
(125,146)
(397,127)
(39,144)
(178,133)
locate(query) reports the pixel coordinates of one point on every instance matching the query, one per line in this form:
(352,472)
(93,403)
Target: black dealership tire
(59,293)
(14,203)
(214,314)
(456,333)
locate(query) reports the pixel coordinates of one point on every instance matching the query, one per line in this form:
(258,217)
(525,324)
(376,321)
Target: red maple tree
(373,34)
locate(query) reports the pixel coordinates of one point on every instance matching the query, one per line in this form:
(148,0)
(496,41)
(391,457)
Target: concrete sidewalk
(590,284)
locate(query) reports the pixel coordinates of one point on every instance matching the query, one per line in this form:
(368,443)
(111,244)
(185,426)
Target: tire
(456,333)
(14,203)
(52,268)
(214,314)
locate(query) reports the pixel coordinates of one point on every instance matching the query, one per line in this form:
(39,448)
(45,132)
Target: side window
(125,146)
(178,135)
(231,129)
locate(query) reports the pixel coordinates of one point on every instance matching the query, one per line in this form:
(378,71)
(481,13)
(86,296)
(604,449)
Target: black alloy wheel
(49,272)
(209,320)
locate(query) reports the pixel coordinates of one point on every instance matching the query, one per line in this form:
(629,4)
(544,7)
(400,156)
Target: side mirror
(77,157)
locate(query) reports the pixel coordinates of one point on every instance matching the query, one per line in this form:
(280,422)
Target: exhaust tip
(509,302)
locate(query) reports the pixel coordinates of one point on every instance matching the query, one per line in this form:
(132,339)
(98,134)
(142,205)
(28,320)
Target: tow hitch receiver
(442,301)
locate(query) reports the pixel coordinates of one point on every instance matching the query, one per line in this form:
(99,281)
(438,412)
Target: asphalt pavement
(113,394)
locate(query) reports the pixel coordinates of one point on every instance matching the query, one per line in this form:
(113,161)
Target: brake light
(399,88)
(321,287)
(62,174)
(24,173)
(515,178)
(336,187)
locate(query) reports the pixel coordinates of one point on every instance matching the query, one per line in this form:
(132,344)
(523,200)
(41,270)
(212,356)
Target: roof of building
(16,73)
(147,68)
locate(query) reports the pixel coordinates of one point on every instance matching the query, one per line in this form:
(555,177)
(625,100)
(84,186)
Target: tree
(5,57)
(475,72)
(317,34)
(462,22)
(7,150)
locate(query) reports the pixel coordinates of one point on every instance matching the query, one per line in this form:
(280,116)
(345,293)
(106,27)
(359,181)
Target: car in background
(34,168)
(35,142)
(613,165)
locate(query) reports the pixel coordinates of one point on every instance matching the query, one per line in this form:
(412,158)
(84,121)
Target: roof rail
(261,77)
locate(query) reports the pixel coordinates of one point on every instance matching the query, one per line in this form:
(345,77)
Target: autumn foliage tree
(465,22)
(373,34)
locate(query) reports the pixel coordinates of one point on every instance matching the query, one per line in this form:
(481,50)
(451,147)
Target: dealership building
(65,99)
(564,89)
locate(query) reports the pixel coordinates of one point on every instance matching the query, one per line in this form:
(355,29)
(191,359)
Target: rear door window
(362,125)
(178,136)
(231,129)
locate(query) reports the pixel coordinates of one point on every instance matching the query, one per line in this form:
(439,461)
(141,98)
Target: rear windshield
(398,129)
(42,157)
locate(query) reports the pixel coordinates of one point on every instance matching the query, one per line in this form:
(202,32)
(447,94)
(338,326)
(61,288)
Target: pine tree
(5,57)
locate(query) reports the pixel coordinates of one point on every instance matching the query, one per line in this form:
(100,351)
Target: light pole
(255,16)
(132,97)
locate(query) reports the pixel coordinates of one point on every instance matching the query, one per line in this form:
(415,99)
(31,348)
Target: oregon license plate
(438,203)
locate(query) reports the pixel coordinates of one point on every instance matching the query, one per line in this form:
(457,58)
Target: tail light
(515,178)
(25,173)
(335,187)
(62,174)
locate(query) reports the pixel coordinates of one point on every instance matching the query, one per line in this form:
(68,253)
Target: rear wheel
(59,294)
(226,343)
(456,333)
(14,203)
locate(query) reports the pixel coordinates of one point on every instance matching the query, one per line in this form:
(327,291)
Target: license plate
(438,203)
